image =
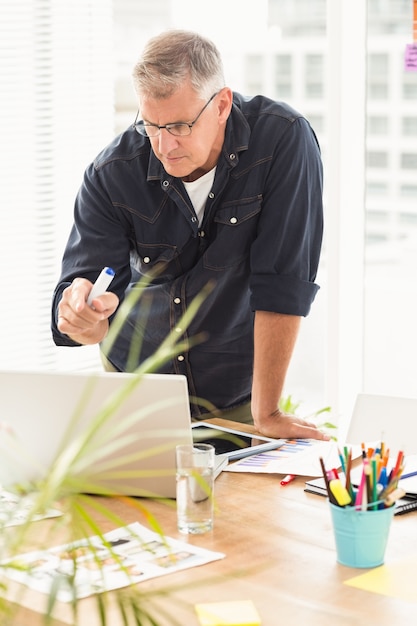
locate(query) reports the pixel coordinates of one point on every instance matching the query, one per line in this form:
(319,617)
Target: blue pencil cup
(361,536)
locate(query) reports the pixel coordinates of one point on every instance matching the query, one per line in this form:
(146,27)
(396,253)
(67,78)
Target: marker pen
(340,493)
(394,496)
(101,284)
(288,479)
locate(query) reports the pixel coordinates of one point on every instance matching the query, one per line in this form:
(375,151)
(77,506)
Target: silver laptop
(392,419)
(43,412)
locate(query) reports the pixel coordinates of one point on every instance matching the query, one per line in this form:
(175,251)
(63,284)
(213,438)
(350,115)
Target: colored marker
(342,462)
(374,481)
(394,496)
(397,467)
(332,499)
(101,284)
(367,470)
(409,475)
(288,479)
(361,492)
(383,479)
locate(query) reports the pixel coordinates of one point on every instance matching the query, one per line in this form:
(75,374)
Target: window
(409,219)
(408,191)
(314,75)
(254,73)
(378,66)
(376,188)
(378,125)
(409,160)
(390,250)
(317,122)
(283,73)
(378,86)
(377,159)
(409,126)
(58,111)
(409,86)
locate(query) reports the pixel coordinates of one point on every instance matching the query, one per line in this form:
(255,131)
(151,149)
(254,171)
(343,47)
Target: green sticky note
(239,613)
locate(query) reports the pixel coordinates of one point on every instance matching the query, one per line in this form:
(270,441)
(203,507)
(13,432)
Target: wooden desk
(280,554)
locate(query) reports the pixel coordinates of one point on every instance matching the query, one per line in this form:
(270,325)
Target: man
(207,187)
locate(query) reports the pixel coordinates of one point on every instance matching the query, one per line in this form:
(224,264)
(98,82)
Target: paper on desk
(295,456)
(15,510)
(128,555)
(396,580)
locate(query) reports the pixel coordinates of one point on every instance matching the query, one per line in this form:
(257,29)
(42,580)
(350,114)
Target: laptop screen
(132,452)
(388,418)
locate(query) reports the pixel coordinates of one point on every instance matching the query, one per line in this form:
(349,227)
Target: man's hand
(275,336)
(83,323)
(281,425)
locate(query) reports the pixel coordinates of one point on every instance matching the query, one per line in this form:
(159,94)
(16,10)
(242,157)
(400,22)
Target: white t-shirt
(198,191)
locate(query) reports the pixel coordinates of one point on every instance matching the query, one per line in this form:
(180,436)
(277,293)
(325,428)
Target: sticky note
(238,613)
(410,57)
(396,580)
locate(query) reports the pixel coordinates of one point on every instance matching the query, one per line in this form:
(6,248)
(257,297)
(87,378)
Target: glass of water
(195,482)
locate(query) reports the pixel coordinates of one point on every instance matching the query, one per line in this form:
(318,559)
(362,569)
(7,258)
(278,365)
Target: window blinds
(56,112)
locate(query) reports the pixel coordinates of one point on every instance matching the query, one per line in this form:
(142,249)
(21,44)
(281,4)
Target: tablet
(233,443)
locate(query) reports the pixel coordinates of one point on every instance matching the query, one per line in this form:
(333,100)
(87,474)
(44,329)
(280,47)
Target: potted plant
(64,487)
(288,405)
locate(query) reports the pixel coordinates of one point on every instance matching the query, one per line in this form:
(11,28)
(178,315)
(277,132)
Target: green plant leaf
(65,481)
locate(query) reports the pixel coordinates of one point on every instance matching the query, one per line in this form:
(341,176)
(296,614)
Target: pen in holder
(362,518)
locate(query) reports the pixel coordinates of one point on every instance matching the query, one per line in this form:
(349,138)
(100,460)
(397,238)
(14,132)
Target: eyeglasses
(178,129)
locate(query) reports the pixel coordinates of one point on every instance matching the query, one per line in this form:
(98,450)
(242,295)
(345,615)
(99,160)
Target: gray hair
(173,57)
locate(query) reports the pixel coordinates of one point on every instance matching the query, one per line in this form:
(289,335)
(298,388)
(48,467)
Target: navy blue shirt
(259,244)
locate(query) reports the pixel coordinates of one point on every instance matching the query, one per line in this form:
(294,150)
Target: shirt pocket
(148,257)
(234,229)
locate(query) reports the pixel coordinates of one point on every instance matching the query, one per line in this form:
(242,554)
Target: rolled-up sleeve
(285,253)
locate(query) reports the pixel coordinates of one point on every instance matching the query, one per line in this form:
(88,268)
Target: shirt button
(178,330)
(177,300)
(211,195)
(201,233)
(165,183)
(232,156)
(233,220)
(180,357)
(146,259)
(194,219)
